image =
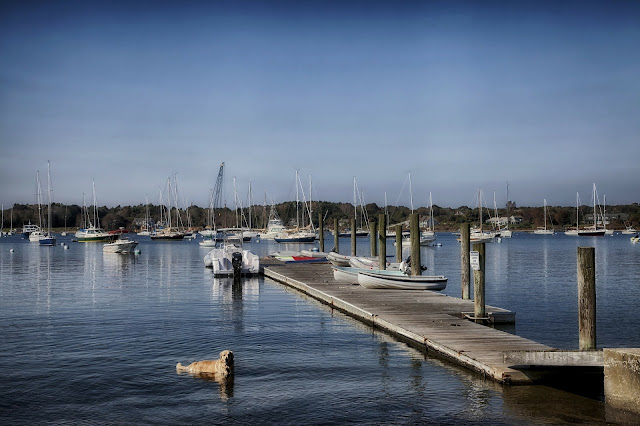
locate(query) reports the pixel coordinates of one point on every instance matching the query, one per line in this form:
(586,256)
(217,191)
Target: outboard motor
(236,262)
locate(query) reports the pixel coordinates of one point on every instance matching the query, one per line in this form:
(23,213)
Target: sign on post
(474,260)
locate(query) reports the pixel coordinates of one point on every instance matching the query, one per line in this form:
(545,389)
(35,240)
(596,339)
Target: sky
(542,96)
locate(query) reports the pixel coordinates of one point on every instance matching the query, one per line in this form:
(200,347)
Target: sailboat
(593,231)
(363,229)
(48,239)
(574,232)
(298,235)
(93,233)
(144,231)
(477,235)
(506,232)
(37,234)
(544,231)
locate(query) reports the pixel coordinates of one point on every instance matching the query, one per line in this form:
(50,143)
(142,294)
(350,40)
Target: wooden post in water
(398,243)
(587,298)
(373,238)
(336,235)
(353,237)
(382,242)
(464,261)
(478,283)
(416,264)
(321,230)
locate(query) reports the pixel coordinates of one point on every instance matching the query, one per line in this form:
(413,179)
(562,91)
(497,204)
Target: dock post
(321,230)
(416,264)
(398,243)
(587,298)
(373,227)
(336,235)
(478,283)
(464,261)
(353,237)
(382,242)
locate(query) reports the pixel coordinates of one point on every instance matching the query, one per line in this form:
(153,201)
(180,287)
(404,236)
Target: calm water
(89,337)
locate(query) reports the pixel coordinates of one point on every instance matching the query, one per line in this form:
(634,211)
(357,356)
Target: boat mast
(49,195)
(297,201)
(432,226)
(545,214)
(410,193)
(480,204)
(39,198)
(594,208)
(355,203)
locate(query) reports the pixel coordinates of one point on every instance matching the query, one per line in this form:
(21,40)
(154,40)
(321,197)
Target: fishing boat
(231,260)
(544,230)
(377,279)
(28,229)
(121,245)
(629,230)
(48,239)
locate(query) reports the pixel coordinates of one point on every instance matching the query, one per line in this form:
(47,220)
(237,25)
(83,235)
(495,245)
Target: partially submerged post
(382,242)
(478,283)
(587,298)
(464,261)
(353,237)
(416,264)
(373,238)
(321,230)
(336,235)
(398,243)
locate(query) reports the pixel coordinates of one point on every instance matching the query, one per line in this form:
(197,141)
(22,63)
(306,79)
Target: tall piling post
(373,238)
(382,242)
(478,283)
(353,237)
(336,235)
(321,230)
(587,298)
(416,264)
(398,243)
(464,261)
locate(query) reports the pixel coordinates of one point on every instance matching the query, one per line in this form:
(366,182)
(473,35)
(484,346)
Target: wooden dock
(429,321)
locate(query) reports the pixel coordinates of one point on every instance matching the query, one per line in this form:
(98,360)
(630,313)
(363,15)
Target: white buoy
(136,251)
(66,247)
(10,250)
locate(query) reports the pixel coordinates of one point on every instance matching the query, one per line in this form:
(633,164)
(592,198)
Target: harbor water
(93,338)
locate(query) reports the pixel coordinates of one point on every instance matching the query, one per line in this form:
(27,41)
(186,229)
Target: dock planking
(427,320)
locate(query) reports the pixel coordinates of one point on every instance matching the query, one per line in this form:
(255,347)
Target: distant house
(502,220)
(607,218)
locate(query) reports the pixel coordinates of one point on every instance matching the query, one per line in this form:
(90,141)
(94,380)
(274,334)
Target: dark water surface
(89,337)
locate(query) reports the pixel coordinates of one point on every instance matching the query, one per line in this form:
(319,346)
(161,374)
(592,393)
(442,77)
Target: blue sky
(464,95)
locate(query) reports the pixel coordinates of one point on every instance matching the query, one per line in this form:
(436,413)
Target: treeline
(445,218)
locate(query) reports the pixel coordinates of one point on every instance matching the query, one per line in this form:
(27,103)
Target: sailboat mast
(297,200)
(49,194)
(355,201)
(410,193)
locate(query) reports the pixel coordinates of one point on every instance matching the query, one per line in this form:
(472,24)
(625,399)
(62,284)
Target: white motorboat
(377,279)
(121,245)
(231,260)
(28,229)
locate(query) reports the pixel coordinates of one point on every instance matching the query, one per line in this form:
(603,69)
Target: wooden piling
(321,230)
(464,261)
(382,242)
(353,237)
(587,298)
(373,238)
(416,264)
(336,235)
(478,283)
(398,243)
